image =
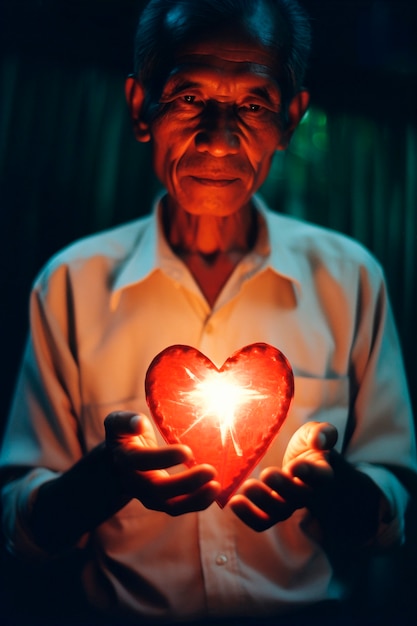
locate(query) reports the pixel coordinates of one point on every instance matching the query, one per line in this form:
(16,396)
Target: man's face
(220,125)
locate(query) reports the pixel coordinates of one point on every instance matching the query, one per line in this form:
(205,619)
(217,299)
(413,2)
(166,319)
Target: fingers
(262,510)
(196,501)
(314,476)
(136,435)
(189,481)
(321,476)
(266,502)
(144,459)
(141,466)
(249,514)
(192,490)
(290,490)
(278,493)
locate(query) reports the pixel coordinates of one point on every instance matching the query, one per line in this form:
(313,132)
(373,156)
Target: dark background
(69,164)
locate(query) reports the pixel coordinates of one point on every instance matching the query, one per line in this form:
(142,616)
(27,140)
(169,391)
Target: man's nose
(218,133)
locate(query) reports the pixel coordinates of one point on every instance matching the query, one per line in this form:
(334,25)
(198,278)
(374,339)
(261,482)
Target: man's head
(218,90)
(165,26)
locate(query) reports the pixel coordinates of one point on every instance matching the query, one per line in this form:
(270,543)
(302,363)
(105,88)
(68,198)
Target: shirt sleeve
(380,436)
(391,529)
(17,498)
(42,436)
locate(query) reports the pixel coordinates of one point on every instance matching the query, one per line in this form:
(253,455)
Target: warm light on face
(218,396)
(221,125)
(228,416)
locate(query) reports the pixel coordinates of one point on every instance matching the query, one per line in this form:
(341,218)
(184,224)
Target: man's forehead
(230,48)
(221,75)
(231,59)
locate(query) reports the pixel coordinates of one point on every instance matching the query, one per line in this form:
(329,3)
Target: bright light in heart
(219,396)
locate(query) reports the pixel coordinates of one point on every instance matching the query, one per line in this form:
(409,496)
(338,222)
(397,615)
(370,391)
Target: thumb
(123,425)
(310,436)
(324,437)
(141,426)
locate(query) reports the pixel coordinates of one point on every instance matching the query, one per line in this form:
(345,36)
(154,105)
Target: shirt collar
(151,251)
(142,259)
(274,244)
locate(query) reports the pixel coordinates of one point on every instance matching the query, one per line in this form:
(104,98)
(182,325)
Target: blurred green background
(69,164)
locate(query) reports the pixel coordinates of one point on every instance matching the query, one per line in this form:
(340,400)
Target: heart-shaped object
(227,416)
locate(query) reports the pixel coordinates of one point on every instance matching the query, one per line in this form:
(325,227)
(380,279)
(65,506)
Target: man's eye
(250,108)
(189,99)
(254,107)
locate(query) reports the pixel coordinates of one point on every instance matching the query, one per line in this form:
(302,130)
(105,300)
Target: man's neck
(209,235)
(210,246)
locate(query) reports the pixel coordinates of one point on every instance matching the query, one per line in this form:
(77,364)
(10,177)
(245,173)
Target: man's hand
(141,467)
(127,465)
(343,501)
(262,503)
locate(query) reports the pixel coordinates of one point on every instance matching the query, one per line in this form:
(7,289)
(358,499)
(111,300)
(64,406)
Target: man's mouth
(214,182)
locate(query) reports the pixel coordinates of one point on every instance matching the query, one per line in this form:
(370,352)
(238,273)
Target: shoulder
(321,247)
(100,252)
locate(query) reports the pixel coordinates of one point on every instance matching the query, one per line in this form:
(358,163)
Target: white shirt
(105,306)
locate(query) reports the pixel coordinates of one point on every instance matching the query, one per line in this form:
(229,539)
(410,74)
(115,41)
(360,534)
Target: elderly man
(217,90)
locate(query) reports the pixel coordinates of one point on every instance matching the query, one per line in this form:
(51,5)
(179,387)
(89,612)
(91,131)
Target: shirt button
(221,559)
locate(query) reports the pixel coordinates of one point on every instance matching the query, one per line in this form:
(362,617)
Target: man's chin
(219,200)
(214,209)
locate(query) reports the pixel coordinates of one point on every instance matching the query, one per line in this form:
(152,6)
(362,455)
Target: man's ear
(135,96)
(296,109)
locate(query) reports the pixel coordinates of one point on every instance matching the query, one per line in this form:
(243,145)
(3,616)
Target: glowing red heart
(227,416)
